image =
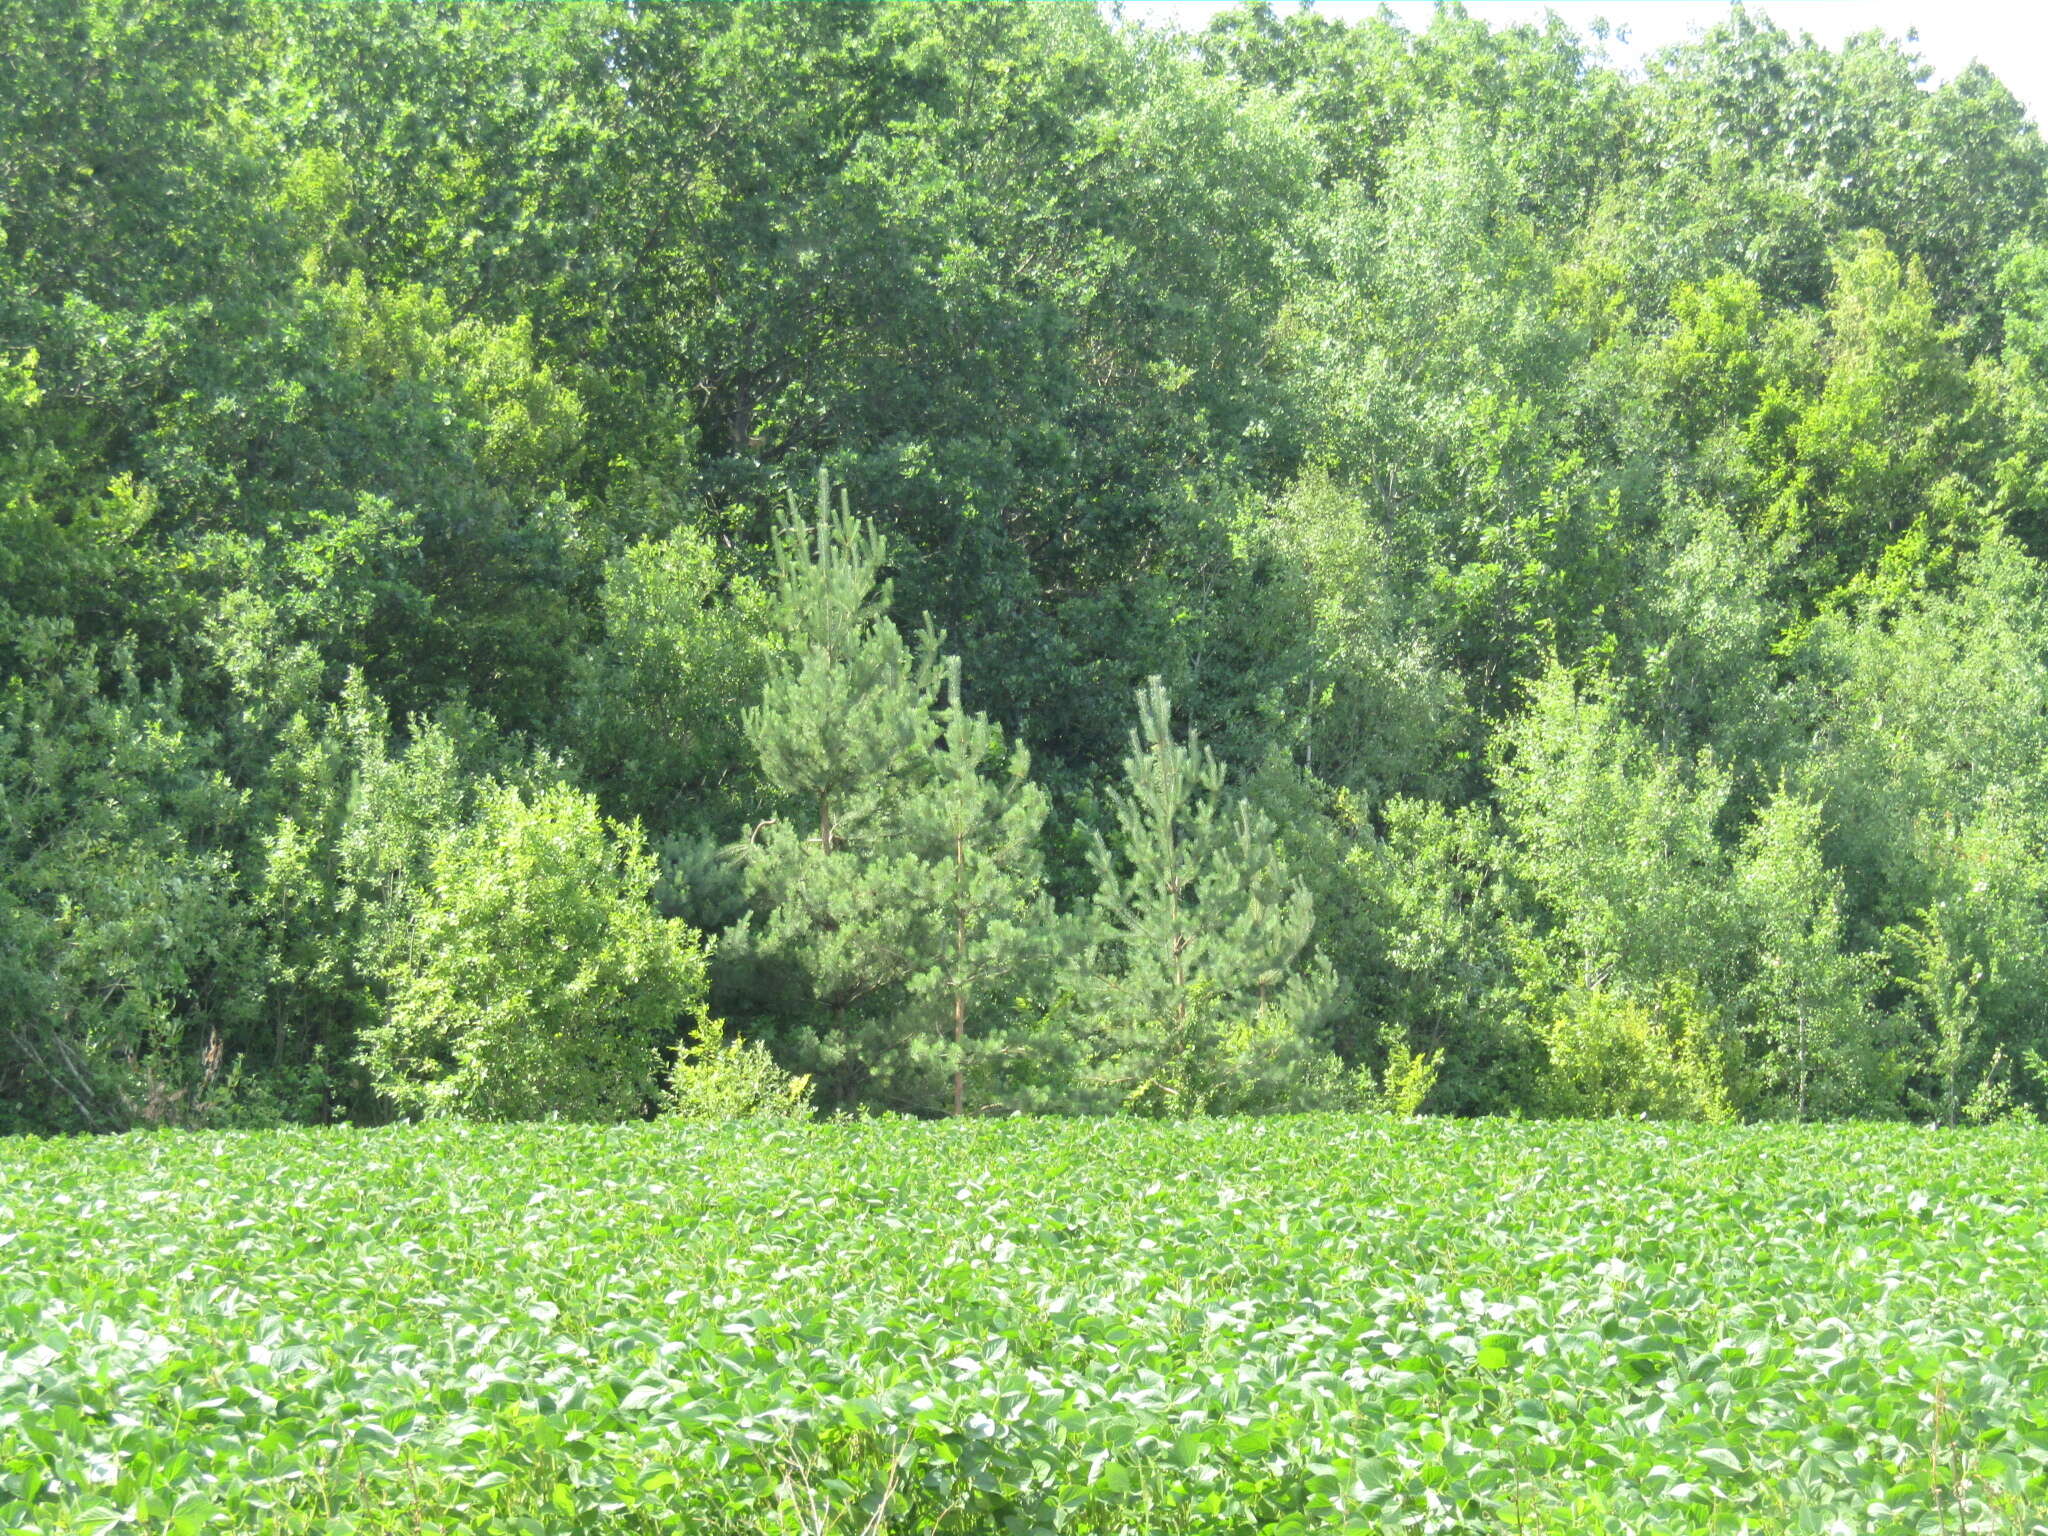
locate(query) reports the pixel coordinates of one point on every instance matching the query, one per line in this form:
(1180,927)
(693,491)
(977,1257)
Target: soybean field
(1033,1326)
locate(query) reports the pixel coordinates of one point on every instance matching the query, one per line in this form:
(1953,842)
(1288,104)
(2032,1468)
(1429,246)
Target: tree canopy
(1575,539)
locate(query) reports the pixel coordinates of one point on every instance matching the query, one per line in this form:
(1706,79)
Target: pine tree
(1194,987)
(847,709)
(918,893)
(845,729)
(976,832)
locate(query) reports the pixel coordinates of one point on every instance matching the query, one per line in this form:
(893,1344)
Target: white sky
(2009,36)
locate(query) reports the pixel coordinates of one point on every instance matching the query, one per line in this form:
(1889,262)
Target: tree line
(975,558)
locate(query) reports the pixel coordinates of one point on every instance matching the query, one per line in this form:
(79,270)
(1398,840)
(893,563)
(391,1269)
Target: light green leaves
(536,980)
(940,1328)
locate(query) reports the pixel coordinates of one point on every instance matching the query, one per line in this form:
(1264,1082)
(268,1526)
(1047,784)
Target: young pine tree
(844,730)
(910,889)
(846,711)
(1193,989)
(986,918)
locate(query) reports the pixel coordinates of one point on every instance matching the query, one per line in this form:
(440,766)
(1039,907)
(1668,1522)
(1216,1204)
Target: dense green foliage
(534,976)
(1115,1327)
(1587,532)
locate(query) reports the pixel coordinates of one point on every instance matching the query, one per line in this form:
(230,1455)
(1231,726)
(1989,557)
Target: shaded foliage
(1589,528)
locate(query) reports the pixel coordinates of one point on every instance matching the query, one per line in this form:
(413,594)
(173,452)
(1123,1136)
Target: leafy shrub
(1612,1054)
(1820,1045)
(657,705)
(116,918)
(1403,1086)
(538,980)
(719,1077)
